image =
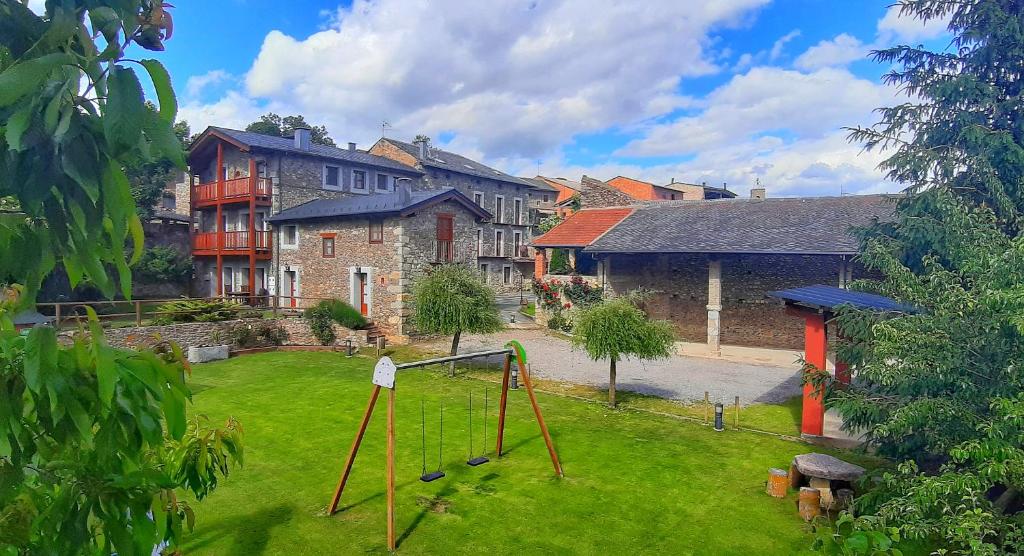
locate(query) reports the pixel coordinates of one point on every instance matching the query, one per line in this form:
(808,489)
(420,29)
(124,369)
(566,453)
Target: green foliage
(163,264)
(197,310)
(452,299)
(560,323)
(546,224)
(147,178)
(581,293)
(272,124)
(559,263)
(320,321)
(344,314)
(88,433)
(616,327)
(940,389)
(258,334)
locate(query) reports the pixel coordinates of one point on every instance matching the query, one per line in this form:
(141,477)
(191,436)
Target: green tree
(549,222)
(147,178)
(452,299)
(273,124)
(617,328)
(95,442)
(940,389)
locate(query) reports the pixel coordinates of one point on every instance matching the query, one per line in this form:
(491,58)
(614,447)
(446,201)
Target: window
(546,198)
(478,198)
(290,236)
(332,177)
(499,243)
(506,274)
(484,272)
(517,211)
(228,278)
(479,242)
(376,231)
(328,246)
(499,209)
(382,182)
(517,241)
(359,180)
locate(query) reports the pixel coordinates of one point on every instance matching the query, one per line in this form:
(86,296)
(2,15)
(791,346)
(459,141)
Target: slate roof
(438,158)
(287,144)
(377,204)
(807,225)
(539,183)
(829,297)
(583,227)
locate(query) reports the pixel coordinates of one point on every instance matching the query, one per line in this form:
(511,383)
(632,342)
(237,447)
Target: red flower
(567,305)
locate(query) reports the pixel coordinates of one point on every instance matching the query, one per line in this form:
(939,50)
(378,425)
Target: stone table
(820,470)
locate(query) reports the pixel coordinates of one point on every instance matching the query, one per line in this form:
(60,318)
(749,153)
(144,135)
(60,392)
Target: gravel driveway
(679,378)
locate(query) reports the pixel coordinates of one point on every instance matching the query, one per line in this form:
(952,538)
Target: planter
(202,354)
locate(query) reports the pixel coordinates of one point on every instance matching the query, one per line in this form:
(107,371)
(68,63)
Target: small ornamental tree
(452,299)
(617,328)
(96,447)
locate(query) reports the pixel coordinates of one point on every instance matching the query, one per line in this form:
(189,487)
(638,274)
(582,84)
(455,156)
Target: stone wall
(596,194)
(192,334)
(748,317)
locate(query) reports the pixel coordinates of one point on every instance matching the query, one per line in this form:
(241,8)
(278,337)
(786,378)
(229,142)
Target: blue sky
(737,91)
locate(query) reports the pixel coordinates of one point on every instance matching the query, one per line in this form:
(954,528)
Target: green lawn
(634,482)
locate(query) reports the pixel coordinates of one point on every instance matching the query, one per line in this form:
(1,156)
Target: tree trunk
(611,384)
(455,349)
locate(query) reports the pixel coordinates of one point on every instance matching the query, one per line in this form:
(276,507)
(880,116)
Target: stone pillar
(540,263)
(714,305)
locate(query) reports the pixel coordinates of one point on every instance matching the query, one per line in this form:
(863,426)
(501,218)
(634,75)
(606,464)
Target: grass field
(634,481)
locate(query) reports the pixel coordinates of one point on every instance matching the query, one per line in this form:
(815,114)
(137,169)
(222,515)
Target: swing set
(384,377)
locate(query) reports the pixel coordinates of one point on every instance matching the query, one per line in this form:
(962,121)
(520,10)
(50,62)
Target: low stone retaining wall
(192,334)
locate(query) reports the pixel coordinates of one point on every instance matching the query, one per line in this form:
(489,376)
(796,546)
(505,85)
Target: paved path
(680,378)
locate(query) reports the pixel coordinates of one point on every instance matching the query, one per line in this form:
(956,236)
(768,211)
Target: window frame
(389,182)
(517,211)
(325,240)
(353,188)
(499,216)
(335,187)
(499,246)
(478,198)
(506,275)
(281,237)
(379,224)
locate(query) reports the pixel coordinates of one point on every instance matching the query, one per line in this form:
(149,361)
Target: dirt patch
(437,504)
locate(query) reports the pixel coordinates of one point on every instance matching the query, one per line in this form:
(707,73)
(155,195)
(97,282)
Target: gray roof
(376,204)
(806,225)
(830,297)
(438,158)
(538,183)
(287,144)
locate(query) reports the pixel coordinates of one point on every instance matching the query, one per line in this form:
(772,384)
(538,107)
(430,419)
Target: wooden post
(778,482)
(707,407)
(333,507)
(220,218)
(391,469)
(504,399)
(252,232)
(812,421)
(138,313)
(56,315)
(737,416)
(536,410)
(277,299)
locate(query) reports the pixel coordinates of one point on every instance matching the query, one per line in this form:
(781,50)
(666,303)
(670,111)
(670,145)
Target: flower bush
(558,299)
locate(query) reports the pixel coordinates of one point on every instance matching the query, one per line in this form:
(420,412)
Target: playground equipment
(384,377)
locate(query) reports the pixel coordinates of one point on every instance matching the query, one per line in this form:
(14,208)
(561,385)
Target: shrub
(163,263)
(320,321)
(197,310)
(344,314)
(260,334)
(579,292)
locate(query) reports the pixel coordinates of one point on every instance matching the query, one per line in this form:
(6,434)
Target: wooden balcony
(232,243)
(235,190)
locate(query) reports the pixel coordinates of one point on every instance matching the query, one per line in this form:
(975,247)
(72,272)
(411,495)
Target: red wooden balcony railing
(233,189)
(233,241)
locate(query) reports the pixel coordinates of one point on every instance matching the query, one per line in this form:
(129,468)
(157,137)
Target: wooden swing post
(333,507)
(504,399)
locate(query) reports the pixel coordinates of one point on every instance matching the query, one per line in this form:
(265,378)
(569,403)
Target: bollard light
(719,417)
(349,348)
(515,378)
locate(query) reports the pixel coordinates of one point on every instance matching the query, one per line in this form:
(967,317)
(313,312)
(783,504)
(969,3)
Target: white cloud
(512,78)
(909,29)
(780,44)
(197,83)
(836,52)
(234,110)
(748,60)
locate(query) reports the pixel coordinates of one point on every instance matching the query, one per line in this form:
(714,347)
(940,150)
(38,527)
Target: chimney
(757,193)
(351,146)
(422,144)
(672,182)
(302,138)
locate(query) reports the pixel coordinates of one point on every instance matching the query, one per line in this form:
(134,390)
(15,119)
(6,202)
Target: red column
(540,263)
(220,218)
(815,349)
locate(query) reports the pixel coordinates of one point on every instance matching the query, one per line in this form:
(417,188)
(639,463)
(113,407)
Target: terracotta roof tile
(583,227)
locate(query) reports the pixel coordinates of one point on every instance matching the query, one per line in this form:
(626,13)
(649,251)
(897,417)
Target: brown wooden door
(364,307)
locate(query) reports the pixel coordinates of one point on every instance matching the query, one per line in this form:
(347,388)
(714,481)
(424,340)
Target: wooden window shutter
(445,227)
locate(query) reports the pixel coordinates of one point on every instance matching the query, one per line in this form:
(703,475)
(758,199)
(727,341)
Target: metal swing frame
(512,350)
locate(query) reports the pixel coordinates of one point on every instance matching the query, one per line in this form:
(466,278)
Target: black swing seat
(479,460)
(432,476)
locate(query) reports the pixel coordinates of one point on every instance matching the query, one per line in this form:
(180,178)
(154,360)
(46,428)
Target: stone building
(673,191)
(370,250)
(552,192)
(711,264)
(502,243)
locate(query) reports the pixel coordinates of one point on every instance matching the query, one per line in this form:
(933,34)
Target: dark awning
(828,297)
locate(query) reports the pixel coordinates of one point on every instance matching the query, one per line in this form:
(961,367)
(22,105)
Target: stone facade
(493,260)
(194,334)
(747,316)
(597,193)
(388,269)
